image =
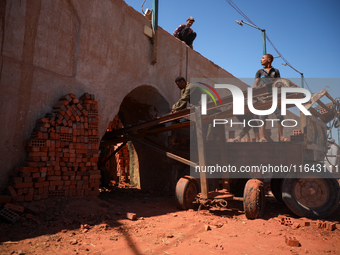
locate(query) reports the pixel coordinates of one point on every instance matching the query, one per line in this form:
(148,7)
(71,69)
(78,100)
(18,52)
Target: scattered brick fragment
(5,199)
(307,223)
(296,225)
(9,215)
(11,192)
(15,208)
(207,227)
(131,216)
(292,241)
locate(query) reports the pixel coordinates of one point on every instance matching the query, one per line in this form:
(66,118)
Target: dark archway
(148,169)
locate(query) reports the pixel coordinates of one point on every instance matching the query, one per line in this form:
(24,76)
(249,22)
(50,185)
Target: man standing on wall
(185,33)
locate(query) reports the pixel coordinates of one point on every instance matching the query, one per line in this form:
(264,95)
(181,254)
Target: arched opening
(147,169)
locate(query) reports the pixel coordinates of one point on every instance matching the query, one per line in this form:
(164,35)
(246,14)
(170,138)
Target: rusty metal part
(311,192)
(163,150)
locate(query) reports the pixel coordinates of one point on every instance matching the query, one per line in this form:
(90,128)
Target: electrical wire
(232,4)
(142,7)
(304,80)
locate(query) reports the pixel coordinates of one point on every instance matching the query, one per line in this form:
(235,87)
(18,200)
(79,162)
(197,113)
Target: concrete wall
(50,48)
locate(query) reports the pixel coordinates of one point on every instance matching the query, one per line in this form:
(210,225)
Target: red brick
(32,149)
(21,198)
(16,179)
(16,208)
(36,175)
(23,185)
(31,191)
(5,199)
(54,178)
(41,179)
(37,197)
(95,176)
(29,198)
(51,187)
(28,179)
(11,192)
(292,241)
(56,183)
(94,185)
(131,216)
(43,170)
(41,184)
(44,149)
(26,169)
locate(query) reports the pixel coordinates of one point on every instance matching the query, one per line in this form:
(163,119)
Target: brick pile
(62,153)
(123,161)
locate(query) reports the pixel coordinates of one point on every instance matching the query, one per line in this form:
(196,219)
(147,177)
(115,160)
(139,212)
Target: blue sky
(306,33)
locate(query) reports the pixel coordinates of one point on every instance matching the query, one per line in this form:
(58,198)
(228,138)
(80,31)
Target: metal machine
(305,193)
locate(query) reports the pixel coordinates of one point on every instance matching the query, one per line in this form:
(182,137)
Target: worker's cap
(331,140)
(191,18)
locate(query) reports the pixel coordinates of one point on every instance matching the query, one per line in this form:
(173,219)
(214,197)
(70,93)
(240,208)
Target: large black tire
(186,192)
(253,199)
(311,197)
(276,188)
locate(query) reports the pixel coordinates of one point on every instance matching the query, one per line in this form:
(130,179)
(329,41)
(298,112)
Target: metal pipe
(264,41)
(155,14)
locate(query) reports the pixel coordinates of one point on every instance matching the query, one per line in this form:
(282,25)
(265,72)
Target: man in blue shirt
(264,77)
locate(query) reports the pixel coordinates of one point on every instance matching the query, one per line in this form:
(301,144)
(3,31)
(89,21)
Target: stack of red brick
(122,156)
(115,124)
(123,161)
(62,153)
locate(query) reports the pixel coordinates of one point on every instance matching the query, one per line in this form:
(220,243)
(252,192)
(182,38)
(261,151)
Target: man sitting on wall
(185,33)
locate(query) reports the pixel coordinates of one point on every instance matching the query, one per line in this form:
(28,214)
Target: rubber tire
(253,199)
(105,177)
(303,211)
(186,191)
(276,188)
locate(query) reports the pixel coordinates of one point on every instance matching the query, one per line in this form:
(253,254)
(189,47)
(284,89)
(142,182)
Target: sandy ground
(98,225)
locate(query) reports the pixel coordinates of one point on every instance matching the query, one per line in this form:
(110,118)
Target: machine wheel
(253,199)
(311,197)
(276,188)
(186,192)
(105,177)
